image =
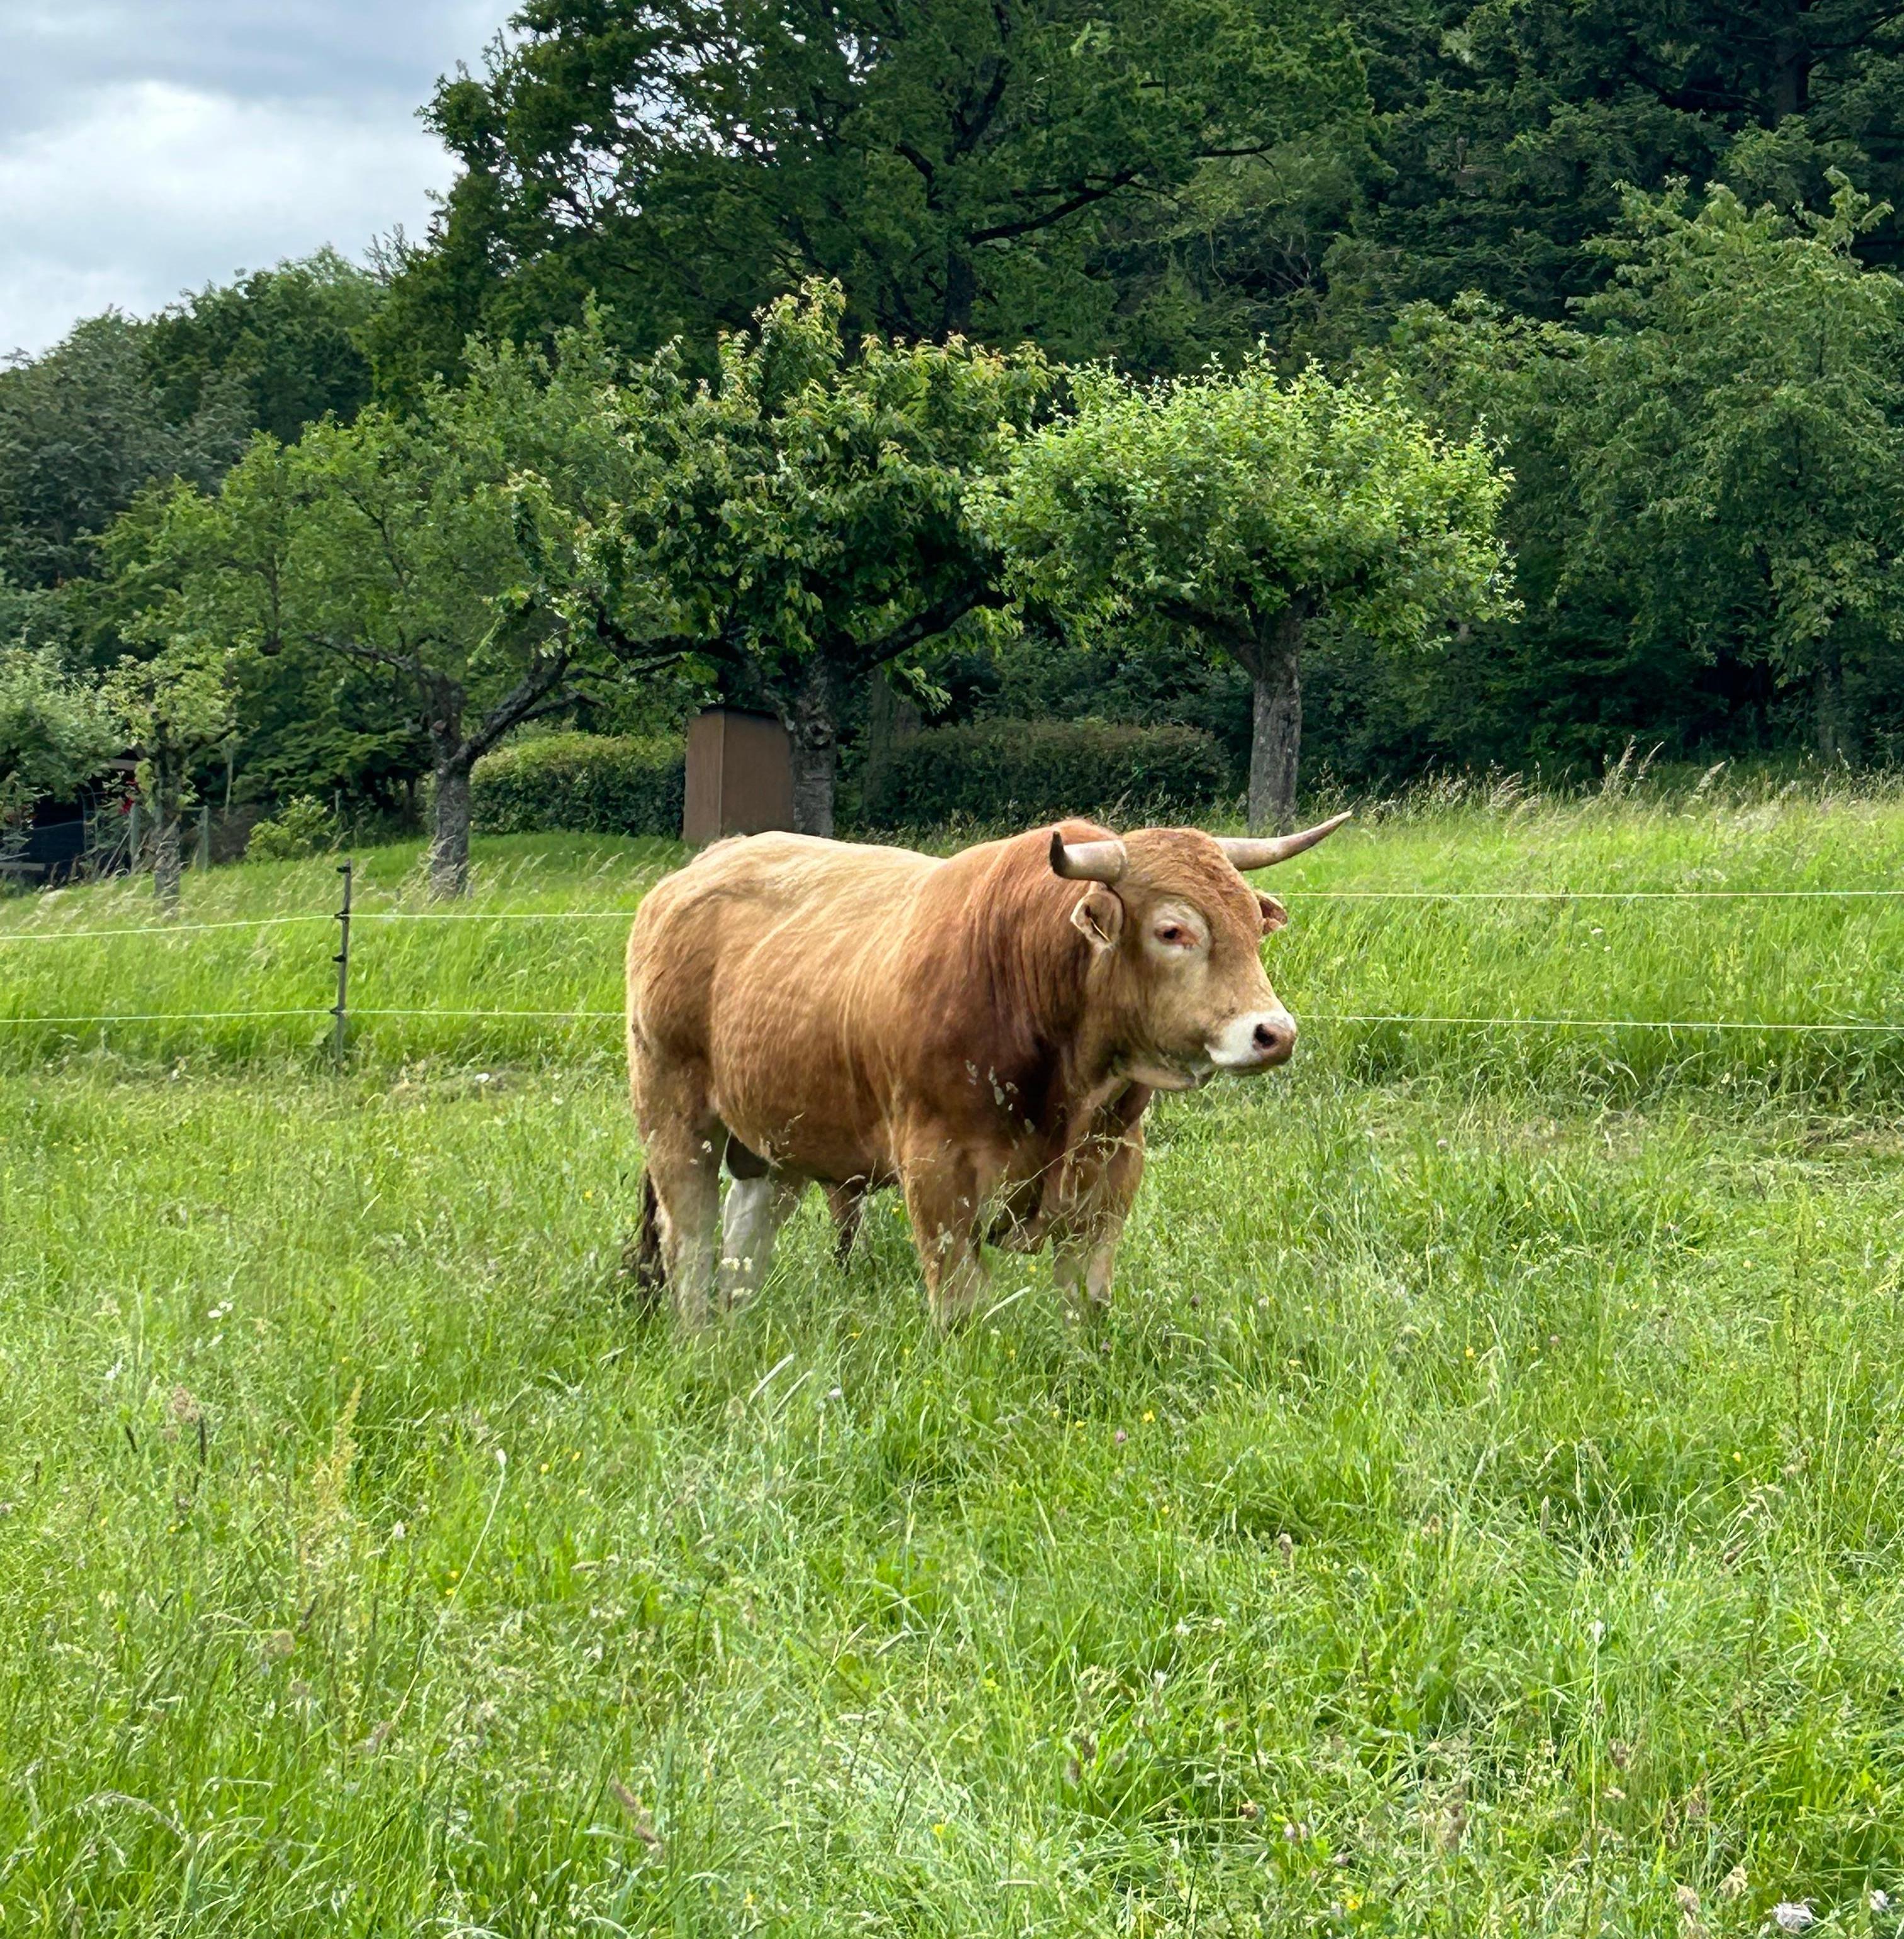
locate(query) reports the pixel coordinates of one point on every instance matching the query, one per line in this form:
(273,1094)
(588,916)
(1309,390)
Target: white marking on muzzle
(1254,1042)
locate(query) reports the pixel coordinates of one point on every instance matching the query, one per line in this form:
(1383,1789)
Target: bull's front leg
(946,1200)
(1084,1246)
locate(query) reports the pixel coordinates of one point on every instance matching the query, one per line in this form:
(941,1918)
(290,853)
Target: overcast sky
(148,147)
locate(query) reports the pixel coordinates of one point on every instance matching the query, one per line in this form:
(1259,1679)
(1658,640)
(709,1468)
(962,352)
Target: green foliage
(1216,503)
(304,826)
(955,167)
(1002,773)
(82,432)
(453,555)
(55,733)
(173,708)
(808,518)
(1736,430)
(288,339)
(1711,468)
(591,784)
(1507,136)
(1238,509)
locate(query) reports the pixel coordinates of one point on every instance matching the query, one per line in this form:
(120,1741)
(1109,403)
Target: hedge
(590,782)
(1025,770)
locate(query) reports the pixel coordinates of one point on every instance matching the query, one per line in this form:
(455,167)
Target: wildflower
(1790,1915)
(1149,1417)
(1880,1900)
(1119,1438)
(1689,1901)
(1249,1810)
(1735,1884)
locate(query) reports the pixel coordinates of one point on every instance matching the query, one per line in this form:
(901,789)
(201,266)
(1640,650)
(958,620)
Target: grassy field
(1483,1510)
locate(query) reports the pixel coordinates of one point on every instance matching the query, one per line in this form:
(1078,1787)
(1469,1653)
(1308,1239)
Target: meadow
(1482,1510)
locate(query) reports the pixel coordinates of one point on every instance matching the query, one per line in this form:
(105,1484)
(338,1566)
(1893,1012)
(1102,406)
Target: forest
(1373,388)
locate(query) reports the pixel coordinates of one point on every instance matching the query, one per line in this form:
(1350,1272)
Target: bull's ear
(1098,917)
(1275,916)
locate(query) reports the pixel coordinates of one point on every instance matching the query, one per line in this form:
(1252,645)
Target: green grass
(1482,1511)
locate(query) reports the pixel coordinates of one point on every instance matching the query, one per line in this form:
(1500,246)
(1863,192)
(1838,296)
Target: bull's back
(769,961)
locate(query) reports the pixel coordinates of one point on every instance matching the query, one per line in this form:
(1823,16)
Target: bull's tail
(642,1262)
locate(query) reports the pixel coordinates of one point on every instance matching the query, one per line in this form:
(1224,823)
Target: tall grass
(1399,917)
(1470,1519)
(1482,1511)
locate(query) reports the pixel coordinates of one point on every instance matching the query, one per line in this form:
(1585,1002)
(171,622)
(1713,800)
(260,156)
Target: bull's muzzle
(1259,1041)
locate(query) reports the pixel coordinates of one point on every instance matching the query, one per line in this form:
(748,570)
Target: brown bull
(984,1031)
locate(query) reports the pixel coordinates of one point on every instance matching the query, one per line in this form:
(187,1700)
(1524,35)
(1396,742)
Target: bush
(591,784)
(1025,770)
(302,827)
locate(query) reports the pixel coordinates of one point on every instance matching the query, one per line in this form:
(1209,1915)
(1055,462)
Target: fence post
(342,959)
(202,858)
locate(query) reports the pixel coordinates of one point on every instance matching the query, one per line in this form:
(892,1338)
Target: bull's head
(1175,931)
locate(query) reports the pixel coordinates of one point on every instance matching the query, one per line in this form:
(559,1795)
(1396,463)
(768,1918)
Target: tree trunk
(816,752)
(1791,78)
(1833,729)
(1276,724)
(166,863)
(449,838)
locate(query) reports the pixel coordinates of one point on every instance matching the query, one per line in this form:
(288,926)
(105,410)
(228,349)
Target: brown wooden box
(740,775)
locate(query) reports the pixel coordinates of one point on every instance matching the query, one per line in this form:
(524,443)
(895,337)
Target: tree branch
(937,618)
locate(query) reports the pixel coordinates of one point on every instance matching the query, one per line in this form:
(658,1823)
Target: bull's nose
(1273,1039)
(1258,1042)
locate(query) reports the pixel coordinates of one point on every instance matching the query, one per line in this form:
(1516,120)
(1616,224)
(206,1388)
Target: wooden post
(342,959)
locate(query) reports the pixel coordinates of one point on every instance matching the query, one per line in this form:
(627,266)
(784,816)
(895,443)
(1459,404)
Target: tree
(457,556)
(82,431)
(957,166)
(1242,509)
(55,733)
(288,341)
(1735,424)
(810,523)
(174,708)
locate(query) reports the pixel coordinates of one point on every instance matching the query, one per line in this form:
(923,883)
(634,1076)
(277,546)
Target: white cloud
(136,163)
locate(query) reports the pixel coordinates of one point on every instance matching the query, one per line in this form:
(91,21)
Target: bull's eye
(1174,933)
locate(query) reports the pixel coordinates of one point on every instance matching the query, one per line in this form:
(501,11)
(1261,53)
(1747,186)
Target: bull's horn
(1087,861)
(1248,852)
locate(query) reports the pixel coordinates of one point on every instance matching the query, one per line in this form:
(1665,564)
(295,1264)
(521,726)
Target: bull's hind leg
(756,1210)
(847,1202)
(684,1141)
